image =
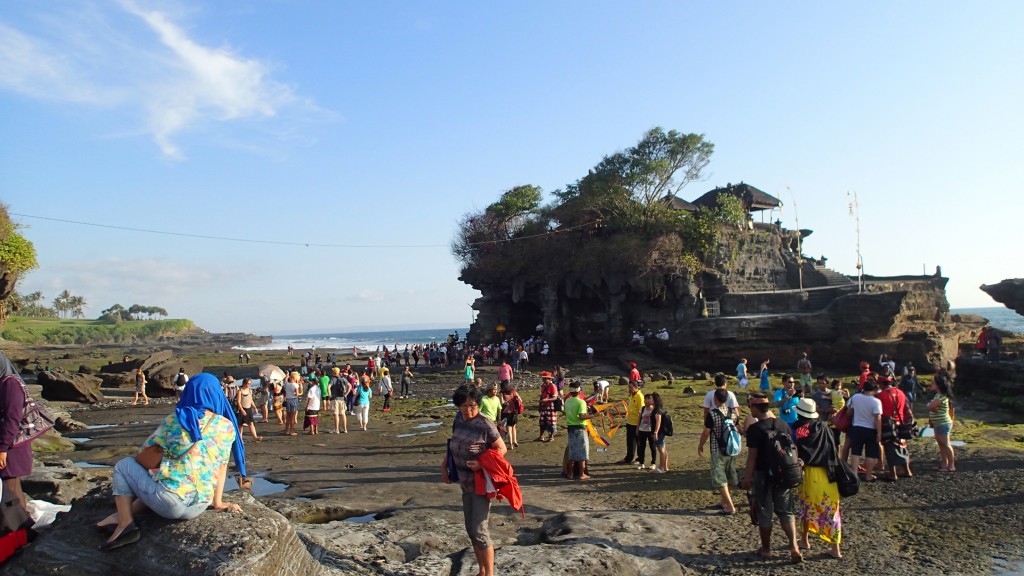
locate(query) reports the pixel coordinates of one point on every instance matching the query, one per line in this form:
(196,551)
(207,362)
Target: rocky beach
(372,502)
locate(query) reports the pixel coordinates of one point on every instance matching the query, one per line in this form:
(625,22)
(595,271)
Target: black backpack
(666,423)
(784,470)
(180,380)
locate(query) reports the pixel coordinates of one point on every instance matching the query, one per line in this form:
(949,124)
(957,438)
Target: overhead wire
(285,243)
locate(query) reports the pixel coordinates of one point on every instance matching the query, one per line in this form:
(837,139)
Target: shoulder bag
(35,420)
(843,419)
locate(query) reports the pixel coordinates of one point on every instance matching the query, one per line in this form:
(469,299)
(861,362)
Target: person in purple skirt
(15,461)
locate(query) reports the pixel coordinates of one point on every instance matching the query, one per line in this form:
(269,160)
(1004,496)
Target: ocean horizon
(370,340)
(366,341)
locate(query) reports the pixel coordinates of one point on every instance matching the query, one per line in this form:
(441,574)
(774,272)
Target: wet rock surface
(372,503)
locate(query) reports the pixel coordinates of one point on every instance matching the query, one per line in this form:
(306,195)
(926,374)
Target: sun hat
(546,374)
(807,408)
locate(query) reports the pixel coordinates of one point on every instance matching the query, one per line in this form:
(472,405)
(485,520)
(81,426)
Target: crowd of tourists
(808,443)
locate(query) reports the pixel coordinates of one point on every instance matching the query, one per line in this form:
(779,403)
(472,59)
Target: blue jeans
(131,479)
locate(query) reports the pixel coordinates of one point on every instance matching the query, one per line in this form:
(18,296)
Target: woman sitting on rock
(197,440)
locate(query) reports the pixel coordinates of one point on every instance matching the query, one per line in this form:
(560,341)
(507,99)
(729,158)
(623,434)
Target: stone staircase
(832,277)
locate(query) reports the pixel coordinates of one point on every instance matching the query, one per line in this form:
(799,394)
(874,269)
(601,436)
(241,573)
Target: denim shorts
(943,429)
(291,405)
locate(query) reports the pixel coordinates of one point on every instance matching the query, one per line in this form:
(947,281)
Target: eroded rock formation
(1009,293)
(758,299)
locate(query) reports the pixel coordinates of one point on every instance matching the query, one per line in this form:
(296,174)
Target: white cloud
(142,59)
(367,296)
(147,281)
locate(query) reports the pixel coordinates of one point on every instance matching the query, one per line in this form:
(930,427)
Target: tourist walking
(490,405)
(741,374)
(723,466)
(247,408)
(292,390)
(786,399)
(548,412)
(804,367)
(865,434)
(140,388)
(470,368)
(895,412)
(512,407)
(314,397)
(406,382)
(769,497)
(818,505)
(578,449)
(505,374)
(763,373)
(385,388)
(471,437)
(363,396)
(339,391)
(721,383)
(658,432)
(941,417)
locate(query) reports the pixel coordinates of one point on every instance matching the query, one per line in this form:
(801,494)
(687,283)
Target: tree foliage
(626,189)
(615,218)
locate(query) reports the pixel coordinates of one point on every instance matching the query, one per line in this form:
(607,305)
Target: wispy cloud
(133,56)
(367,296)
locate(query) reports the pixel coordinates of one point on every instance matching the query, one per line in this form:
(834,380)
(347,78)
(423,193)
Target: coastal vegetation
(616,221)
(17,256)
(41,331)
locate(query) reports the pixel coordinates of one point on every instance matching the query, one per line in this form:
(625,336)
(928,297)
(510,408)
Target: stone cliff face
(747,303)
(1009,293)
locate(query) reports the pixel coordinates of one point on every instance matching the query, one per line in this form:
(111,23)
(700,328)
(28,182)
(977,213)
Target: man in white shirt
(865,435)
(721,381)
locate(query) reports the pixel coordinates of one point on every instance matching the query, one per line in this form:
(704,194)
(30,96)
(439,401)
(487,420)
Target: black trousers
(630,442)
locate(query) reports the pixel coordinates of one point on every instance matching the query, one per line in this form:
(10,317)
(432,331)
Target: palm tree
(62,303)
(77,306)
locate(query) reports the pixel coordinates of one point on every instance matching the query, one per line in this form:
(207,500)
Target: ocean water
(364,341)
(1000,317)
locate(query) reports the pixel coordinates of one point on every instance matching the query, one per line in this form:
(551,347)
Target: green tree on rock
(17,256)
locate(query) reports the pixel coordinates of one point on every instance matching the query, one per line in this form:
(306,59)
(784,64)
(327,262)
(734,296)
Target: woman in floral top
(197,440)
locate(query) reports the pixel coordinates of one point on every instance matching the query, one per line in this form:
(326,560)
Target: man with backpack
(771,458)
(720,427)
(179,383)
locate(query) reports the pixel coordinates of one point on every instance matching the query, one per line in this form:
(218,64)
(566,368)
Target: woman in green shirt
(941,416)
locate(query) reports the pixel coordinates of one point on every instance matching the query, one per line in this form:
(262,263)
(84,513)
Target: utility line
(283,243)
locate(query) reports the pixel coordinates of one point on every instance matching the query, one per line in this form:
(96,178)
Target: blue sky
(381,123)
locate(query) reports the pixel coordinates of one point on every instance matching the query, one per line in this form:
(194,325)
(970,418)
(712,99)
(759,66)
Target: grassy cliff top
(37,331)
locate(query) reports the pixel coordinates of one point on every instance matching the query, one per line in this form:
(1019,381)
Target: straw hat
(806,408)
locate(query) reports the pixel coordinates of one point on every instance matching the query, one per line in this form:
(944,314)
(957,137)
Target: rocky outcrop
(1009,293)
(71,387)
(758,299)
(161,369)
(257,542)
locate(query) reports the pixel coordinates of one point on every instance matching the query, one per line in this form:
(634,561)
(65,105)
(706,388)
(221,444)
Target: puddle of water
(332,489)
(89,465)
(410,434)
(427,425)
(1004,567)
(361,519)
(303,499)
(100,426)
(82,440)
(260,486)
(957,443)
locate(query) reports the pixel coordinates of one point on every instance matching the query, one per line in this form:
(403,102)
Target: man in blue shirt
(786,399)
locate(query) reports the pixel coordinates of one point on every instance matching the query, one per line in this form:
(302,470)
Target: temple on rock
(753,294)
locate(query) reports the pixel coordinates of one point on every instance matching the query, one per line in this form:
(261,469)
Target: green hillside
(37,331)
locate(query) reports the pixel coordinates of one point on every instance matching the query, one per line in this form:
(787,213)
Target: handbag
(843,419)
(840,472)
(35,420)
(449,461)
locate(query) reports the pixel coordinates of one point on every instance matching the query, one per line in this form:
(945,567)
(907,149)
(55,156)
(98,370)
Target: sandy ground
(963,523)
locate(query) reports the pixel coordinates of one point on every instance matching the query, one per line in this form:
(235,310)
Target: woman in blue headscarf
(197,440)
